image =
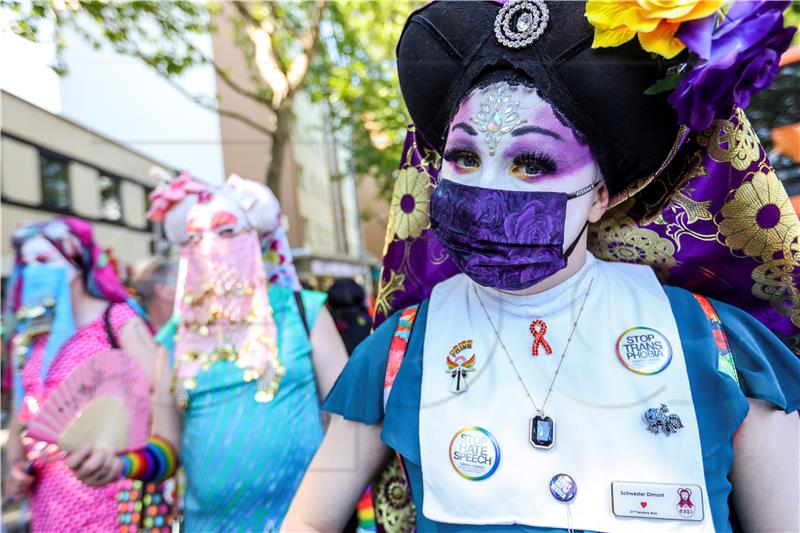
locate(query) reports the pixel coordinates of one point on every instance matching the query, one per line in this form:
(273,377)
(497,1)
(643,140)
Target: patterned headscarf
(278,262)
(74,240)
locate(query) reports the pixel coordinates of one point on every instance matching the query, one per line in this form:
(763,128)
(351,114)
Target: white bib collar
(597,403)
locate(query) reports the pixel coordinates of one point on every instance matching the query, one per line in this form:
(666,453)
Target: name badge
(666,501)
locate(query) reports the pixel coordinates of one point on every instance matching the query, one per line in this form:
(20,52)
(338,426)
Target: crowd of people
(529,367)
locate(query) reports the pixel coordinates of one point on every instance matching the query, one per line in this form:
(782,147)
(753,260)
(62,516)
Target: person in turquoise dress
(252,354)
(533,386)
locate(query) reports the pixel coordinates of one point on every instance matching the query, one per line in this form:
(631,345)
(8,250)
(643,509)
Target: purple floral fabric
(504,239)
(412,267)
(737,59)
(717,222)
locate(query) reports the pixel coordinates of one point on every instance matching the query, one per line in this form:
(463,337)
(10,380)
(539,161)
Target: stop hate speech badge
(644,350)
(474,453)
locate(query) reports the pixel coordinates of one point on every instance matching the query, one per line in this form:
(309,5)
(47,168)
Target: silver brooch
(658,421)
(520,22)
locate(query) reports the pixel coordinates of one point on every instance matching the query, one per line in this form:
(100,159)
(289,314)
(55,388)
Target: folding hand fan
(105,402)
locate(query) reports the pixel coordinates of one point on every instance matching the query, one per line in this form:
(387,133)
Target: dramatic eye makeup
(464,160)
(531,165)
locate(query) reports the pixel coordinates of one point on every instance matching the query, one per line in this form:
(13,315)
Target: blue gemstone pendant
(542,432)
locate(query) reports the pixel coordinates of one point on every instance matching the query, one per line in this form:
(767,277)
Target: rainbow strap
(397,349)
(155,462)
(365,511)
(725,363)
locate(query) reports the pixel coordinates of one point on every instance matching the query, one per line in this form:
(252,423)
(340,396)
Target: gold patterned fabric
(722,214)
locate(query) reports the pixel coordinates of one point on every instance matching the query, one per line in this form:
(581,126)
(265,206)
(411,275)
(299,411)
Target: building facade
(53,166)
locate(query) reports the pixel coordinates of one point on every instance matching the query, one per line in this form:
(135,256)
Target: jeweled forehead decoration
(498,115)
(520,22)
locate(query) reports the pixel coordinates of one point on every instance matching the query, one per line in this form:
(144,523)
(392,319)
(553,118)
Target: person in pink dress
(69,305)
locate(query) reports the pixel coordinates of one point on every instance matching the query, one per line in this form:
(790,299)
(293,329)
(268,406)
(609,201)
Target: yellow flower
(410,204)
(760,219)
(655,22)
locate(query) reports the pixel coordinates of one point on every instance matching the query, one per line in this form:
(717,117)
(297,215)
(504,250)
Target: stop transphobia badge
(644,350)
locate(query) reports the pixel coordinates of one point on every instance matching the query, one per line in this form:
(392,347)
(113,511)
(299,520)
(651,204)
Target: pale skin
(765,477)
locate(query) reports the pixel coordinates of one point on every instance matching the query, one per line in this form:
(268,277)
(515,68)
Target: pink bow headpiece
(166,196)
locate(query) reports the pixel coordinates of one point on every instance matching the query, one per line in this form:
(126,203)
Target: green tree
(338,51)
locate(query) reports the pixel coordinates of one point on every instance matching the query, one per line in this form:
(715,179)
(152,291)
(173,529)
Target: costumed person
(527,384)
(67,306)
(346,301)
(154,284)
(151,505)
(252,355)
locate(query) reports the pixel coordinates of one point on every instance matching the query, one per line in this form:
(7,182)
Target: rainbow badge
(460,363)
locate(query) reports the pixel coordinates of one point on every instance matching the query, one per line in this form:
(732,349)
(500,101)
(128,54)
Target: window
(307,232)
(55,182)
(110,202)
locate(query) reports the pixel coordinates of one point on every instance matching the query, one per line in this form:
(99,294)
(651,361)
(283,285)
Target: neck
(85,307)
(575,262)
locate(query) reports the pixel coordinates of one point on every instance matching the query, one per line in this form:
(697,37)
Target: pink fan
(105,402)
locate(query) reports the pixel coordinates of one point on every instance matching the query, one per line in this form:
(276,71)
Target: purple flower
(534,223)
(741,59)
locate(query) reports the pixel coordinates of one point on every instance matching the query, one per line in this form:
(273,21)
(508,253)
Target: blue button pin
(563,488)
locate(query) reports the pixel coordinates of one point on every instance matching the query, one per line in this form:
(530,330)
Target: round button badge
(563,488)
(474,453)
(644,350)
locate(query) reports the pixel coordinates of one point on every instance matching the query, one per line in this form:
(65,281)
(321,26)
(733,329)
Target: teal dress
(244,460)
(767,370)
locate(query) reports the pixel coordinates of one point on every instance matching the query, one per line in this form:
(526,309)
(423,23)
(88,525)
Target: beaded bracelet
(155,462)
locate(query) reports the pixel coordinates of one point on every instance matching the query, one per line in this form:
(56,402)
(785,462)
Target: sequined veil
(714,219)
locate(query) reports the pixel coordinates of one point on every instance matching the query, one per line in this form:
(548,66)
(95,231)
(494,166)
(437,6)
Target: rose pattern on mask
(502,239)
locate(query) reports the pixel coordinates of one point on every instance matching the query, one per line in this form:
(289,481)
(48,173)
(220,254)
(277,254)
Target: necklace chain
(560,362)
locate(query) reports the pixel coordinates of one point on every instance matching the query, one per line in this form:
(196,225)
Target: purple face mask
(508,240)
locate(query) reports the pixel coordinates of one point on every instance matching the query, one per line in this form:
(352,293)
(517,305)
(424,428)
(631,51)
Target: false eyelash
(544,161)
(454,153)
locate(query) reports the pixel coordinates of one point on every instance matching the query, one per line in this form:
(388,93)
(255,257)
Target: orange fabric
(786,141)
(790,56)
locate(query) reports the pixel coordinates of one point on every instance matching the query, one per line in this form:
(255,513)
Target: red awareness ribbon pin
(538,329)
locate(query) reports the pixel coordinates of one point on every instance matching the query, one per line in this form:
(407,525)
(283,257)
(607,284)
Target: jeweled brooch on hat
(520,22)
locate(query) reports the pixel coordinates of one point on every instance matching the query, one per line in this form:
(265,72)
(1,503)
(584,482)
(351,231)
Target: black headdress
(448,47)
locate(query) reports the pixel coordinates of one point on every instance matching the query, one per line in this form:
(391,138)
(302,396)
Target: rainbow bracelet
(155,462)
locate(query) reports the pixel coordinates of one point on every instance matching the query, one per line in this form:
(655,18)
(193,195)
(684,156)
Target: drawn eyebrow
(466,127)
(524,130)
